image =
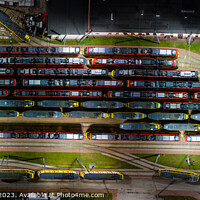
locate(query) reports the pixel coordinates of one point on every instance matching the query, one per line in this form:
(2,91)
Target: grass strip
(68,160)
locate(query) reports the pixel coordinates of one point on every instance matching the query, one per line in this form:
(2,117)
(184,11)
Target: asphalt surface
(99,147)
(143,189)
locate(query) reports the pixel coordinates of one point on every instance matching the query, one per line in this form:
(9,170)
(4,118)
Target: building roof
(163,16)
(67,17)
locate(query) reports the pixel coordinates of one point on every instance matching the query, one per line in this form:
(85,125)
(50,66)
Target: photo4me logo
(80,195)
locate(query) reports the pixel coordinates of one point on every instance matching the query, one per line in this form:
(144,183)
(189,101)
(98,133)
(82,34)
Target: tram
(132,62)
(4,93)
(175,174)
(14,28)
(72,82)
(39,50)
(42,61)
(42,114)
(41,135)
(147,95)
(87,114)
(197,95)
(61,72)
(17,174)
(129,51)
(58,103)
(101,175)
(143,105)
(192,138)
(6,71)
(133,137)
(58,174)
(195,116)
(140,126)
(103,104)
(128,115)
(7,82)
(16,103)
(154,73)
(58,93)
(9,113)
(182,127)
(181,106)
(167,116)
(163,84)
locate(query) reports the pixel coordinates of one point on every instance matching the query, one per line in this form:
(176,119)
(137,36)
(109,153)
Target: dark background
(67,16)
(71,16)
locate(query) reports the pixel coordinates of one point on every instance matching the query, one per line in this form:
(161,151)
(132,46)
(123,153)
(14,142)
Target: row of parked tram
(88,51)
(125,136)
(161,116)
(99,94)
(120,73)
(102,83)
(78,61)
(101,104)
(61,51)
(59,174)
(53,174)
(144,84)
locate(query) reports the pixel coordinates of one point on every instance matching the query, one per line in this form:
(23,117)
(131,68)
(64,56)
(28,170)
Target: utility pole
(188,160)
(84,37)
(10,38)
(2,160)
(7,160)
(43,162)
(81,164)
(190,39)
(157,38)
(64,37)
(43,32)
(106,196)
(157,160)
(34,32)
(89,15)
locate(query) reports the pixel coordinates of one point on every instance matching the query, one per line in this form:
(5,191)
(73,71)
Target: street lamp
(185,16)
(139,10)
(156,13)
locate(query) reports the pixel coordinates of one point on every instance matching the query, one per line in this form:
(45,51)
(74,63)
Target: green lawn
(129,41)
(68,160)
(177,198)
(6,42)
(176,161)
